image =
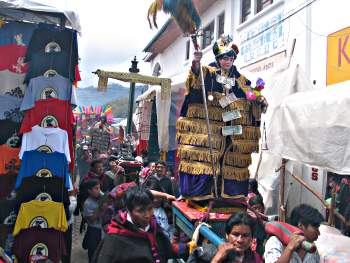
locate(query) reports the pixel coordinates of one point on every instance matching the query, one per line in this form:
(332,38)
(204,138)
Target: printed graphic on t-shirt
(44,173)
(52,47)
(12,165)
(43,197)
(39,221)
(50,73)
(38,252)
(49,121)
(44,149)
(14,115)
(49,93)
(16,92)
(10,219)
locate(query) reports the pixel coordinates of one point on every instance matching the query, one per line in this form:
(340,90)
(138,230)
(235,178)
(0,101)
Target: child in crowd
(92,212)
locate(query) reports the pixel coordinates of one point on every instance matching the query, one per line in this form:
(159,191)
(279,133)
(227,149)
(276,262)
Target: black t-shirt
(58,61)
(7,129)
(66,39)
(7,211)
(7,184)
(42,188)
(37,243)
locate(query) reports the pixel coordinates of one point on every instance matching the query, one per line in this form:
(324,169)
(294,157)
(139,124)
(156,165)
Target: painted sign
(338,56)
(266,64)
(262,40)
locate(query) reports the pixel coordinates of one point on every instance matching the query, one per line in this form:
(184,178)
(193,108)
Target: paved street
(79,255)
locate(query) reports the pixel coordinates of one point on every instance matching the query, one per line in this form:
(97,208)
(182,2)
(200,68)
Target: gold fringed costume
(232,153)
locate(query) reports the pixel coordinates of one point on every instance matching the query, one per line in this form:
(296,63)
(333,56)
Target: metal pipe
(211,236)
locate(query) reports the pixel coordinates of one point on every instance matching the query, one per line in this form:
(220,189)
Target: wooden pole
(332,207)
(282,209)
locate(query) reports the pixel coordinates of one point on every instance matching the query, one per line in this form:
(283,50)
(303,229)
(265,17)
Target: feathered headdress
(225,46)
(183,11)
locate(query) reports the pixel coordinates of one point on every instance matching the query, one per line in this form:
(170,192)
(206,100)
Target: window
(221,27)
(187,57)
(261,4)
(208,35)
(246,10)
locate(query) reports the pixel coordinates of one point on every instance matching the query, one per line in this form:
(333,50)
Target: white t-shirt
(162,221)
(274,249)
(54,139)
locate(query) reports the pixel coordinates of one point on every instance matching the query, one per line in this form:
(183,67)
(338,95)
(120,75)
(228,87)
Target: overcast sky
(113,31)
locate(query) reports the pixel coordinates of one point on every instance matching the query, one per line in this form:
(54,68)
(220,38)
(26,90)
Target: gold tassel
(217,141)
(216,97)
(237,159)
(197,126)
(197,168)
(248,133)
(235,173)
(193,153)
(194,82)
(245,120)
(245,146)
(197,111)
(102,83)
(240,104)
(256,109)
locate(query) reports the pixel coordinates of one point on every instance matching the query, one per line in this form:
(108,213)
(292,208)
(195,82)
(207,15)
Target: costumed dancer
(234,109)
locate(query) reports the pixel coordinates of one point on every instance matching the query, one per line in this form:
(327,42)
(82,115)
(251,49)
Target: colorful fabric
(12,83)
(9,108)
(198,185)
(16,33)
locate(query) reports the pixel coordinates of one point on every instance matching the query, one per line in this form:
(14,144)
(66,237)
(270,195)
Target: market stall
(39,66)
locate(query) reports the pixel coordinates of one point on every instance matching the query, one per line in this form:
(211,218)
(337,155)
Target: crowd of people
(131,221)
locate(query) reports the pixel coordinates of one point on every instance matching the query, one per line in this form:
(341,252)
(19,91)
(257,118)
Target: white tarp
(313,127)
(285,80)
(27,10)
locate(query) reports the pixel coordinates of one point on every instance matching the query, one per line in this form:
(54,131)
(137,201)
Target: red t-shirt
(54,112)
(12,58)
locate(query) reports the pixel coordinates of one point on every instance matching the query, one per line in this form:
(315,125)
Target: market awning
(30,11)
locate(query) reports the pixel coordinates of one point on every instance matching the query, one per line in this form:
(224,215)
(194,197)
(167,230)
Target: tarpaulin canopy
(313,127)
(30,11)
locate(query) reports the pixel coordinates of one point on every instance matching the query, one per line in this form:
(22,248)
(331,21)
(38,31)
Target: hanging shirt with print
(12,58)
(9,161)
(48,87)
(12,84)
(16,33)
(9,108)
(34,244)
(46,139)
(44,214)
(41,164)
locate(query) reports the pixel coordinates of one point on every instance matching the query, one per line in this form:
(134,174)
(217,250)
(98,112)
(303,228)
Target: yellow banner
(338,56)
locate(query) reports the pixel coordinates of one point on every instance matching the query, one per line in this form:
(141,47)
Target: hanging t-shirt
(16,33)
(58,61)
(49,37)
(47,140)
(9,161)
(49,112)
(12,84)
(44,214)
(8,128)
(7,184)
(48,87)
(12,58)
(34,244)
(43,189)
(41,164)
(7,211)
(9,108)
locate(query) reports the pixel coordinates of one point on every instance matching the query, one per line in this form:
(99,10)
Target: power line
(281,21)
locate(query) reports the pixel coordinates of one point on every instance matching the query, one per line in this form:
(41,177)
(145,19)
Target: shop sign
(266,64)
(338,56)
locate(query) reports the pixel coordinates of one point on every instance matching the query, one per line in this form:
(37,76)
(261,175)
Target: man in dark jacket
(134,236)
(161,177)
